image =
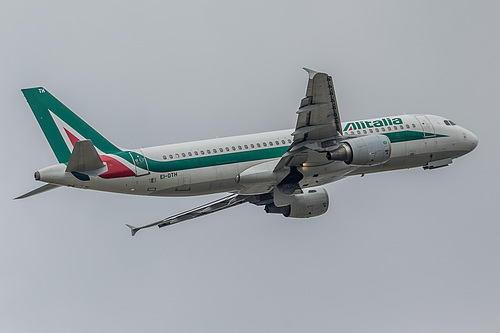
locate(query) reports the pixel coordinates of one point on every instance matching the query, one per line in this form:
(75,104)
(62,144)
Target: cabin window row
(227,149)
(380,129)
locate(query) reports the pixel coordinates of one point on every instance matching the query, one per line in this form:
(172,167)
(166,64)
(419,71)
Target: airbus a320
(282,171)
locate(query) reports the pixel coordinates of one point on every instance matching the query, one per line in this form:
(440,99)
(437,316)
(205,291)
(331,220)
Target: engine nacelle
(260,178)
(365,150)
(312,202)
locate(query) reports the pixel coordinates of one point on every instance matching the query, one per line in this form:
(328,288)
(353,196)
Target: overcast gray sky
(404,251)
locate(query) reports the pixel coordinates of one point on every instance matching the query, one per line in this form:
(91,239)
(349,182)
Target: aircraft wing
(211,207)
(318,124)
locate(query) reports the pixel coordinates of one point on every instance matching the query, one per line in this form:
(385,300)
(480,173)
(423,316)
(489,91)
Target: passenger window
(395,128)
(364,132)
(401,126)
(371,131)
(164,157)
(221,150)
(270,143)
(377,130)
(233,148)
(239,148)
(389,129)
(283,142)
(176,155)
(246,146)
(413,125)
(195,153)
(264,144)
(170,156)
(277,143)
(383,129)
(215,151)
(289,141)
(202,152)
(258,145)
(208,151)
(407,126)
(189,153)
(227,148)
(359,132)
(183,154)
(252,146)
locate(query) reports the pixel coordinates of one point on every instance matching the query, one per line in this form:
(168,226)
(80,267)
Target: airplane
(283,171)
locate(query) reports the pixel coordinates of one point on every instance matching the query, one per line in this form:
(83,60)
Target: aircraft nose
(472,139)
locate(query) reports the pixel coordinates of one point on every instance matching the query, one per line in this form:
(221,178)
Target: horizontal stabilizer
(44,188)
(84,158)
(133,229)
(211,207)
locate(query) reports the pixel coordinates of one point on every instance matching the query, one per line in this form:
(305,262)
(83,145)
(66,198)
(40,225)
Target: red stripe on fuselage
(115,169)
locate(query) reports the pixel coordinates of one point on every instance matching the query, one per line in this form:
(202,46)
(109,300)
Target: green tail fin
(61,126)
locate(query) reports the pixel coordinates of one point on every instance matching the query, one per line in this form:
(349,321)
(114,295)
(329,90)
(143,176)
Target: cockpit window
(451,122)
(447,122)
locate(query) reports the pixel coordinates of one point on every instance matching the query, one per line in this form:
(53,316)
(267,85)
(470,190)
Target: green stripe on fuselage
(212,160)
(253,155)
(403,136)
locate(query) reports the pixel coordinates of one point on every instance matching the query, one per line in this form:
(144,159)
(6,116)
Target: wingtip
(311,72)
(133,229)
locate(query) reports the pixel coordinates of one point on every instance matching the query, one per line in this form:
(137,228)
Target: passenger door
(427,127)
(418,150)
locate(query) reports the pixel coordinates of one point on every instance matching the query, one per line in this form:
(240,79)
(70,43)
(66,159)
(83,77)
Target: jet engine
(364,150)
(310,203)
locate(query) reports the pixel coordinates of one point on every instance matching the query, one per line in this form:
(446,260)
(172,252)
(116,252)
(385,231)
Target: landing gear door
(141,163)
(427,126)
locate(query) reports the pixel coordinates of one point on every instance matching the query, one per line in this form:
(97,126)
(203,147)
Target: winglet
(310,72)
(133,229)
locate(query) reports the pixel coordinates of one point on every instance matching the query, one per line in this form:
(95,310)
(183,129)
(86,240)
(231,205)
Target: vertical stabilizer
(61,126)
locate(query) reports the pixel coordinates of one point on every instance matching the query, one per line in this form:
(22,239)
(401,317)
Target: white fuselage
(212,166)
